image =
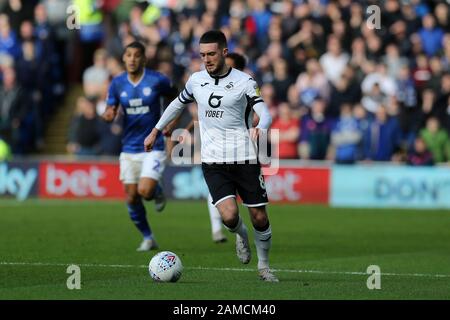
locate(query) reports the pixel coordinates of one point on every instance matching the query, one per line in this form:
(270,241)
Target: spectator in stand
(362,119)
(84,132)
(430,35)
(436,73)
(427,106)
(288,132)
(345,137)
(419,155)
(436,140)
(312,83)
(442,14)
(315,132)
(114,66)
(261,18)
(32,74)
(333,62)
(359,59)
(91,31)
(393,61)
(383,137)
(406,96)
(268,95)
(446,54)
(281,79)
(14,104)
(9,43)
(347,90)
(19,11)
(441,107)
(378,88)
(95,78)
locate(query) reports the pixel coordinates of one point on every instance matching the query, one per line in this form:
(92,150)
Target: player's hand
(109,114)
(254,133)
(150,140)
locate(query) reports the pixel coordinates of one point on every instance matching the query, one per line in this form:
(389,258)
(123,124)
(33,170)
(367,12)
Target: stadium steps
(58,127)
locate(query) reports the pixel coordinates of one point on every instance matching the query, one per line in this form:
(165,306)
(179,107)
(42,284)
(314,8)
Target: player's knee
(146,193)
(259,217)
(229,214)
(133,198)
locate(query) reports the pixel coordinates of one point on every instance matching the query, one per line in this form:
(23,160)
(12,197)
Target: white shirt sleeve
(176,106)
(255,101)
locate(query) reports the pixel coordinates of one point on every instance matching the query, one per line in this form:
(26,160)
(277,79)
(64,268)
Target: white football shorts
(134,166)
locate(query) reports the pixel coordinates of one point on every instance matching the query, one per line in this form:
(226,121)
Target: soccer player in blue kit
(139,91)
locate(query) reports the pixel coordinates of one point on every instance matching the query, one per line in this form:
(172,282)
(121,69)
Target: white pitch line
(91,265)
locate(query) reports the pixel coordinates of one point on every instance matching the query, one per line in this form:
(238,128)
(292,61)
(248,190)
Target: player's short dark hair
(136,45)
(214,36)
(238,59)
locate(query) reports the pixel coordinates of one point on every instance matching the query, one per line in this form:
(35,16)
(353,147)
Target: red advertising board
(299,185)
(80,180)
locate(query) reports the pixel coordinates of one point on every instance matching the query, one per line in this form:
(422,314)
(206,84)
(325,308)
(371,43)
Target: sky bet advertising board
(18,180)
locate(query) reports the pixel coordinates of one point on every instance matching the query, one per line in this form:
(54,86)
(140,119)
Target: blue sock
(138,216)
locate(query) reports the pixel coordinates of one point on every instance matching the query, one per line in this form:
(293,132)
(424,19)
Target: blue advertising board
(390,186)
(185,182)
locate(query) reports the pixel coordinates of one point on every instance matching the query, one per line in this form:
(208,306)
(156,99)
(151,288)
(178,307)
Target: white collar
(139,81)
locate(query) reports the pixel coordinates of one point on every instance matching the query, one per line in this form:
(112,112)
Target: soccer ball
(165,266)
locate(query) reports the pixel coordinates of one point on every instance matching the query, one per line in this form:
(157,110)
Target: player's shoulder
(241,76)
(118,81)
(199,76)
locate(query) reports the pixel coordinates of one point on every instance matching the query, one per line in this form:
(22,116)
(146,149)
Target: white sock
(240,229)
(263,242)
(214,215)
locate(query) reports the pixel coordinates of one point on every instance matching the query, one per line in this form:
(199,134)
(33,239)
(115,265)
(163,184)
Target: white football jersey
(225,113)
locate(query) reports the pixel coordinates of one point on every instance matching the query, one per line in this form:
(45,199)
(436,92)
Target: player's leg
(150,178)
(229,211)
(138,215)
(263,240)
(130,169)
(252,189)
(223,192)
(216,221)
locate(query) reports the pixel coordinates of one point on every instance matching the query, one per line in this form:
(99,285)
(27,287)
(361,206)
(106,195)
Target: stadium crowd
(338,88)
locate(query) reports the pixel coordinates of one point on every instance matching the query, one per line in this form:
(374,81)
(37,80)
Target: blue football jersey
(141,104)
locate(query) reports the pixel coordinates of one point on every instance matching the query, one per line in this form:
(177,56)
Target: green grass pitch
(318,252)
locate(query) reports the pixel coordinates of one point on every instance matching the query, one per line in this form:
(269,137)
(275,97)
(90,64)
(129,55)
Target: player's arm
(112,104)
(169,92)
(172,111)
(110,113)
(260,108)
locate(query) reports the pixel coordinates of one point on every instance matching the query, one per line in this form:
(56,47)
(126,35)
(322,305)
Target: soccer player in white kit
(225,97)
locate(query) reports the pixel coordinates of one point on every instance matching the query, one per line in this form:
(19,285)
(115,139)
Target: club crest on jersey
(229,86)
(257,90)
(124,94)
(147,91)
(214,100)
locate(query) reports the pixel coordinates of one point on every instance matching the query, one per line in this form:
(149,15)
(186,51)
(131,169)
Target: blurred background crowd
(337,88)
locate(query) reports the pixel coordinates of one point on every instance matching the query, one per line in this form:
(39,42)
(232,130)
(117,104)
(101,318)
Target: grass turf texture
(315,248)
